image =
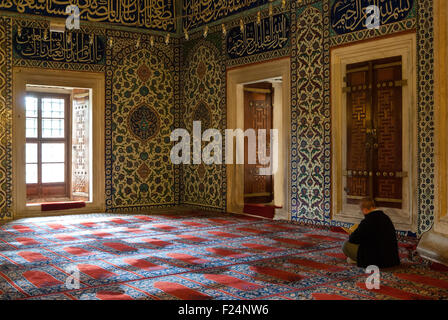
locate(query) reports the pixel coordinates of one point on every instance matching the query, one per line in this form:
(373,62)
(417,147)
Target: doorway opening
(257,99)
(374,129)
(258,115)
(259,102)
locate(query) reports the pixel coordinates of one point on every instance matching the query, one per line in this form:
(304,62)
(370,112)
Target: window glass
(53,172)
(52,128)
(31,153)
(31,107)
(31,127)
(31,173)
(53,152)
(52,108)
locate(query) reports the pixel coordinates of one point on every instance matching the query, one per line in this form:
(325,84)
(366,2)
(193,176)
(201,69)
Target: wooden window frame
(23,76)
(41,140)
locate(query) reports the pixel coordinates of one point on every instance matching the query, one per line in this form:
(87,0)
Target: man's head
(367,205)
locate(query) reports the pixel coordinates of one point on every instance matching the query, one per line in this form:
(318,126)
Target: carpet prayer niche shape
(193,255)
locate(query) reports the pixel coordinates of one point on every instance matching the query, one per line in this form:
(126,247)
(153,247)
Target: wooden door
(359,123)
(374,132)
(387,156)
(257,115)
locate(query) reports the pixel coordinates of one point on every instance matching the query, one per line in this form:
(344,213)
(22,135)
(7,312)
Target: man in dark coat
(374,242)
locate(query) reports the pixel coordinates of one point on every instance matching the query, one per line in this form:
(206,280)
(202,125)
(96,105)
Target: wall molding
(441,115)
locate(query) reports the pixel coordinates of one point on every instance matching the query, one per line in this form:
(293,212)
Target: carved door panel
(358,124)
(257,115)
(387,99)
(374,132)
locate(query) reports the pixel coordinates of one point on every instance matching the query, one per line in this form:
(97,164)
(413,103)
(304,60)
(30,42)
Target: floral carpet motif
(193,255)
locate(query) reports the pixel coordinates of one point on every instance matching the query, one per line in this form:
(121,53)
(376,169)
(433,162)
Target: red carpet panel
(193,255)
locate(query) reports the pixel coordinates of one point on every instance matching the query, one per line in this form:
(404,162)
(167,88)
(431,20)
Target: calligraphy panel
(350,16)
(199,12)
(74,47)
(150,14)
(271,34)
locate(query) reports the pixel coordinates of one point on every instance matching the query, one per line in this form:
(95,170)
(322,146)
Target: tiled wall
(140,118)
(314,30)
(185,81)
(203,99)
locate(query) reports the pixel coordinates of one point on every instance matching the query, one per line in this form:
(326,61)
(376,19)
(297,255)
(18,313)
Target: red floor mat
(260,210)
(194,256)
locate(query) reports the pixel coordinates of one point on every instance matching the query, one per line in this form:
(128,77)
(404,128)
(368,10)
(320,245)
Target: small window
(47,121)
(57,163)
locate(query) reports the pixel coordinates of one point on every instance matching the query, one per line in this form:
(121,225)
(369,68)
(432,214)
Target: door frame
(236,78)
(404,45)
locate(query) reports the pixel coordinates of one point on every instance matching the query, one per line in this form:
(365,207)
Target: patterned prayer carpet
(193,255)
